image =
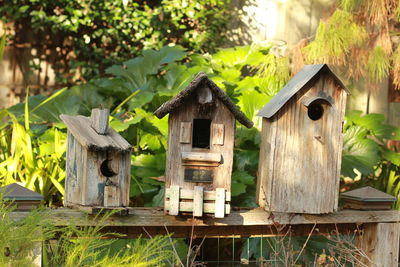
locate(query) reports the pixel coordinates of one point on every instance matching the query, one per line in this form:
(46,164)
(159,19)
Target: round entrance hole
(315,111)
(105,168)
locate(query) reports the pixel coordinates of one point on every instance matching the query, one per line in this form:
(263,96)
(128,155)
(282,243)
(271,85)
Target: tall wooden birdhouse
(98,162)
(301,144)
(200,148)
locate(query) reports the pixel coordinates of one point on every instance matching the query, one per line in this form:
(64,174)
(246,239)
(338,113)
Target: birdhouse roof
(80,127)
(305,75)
(368,194)
(198,81)
(17,192)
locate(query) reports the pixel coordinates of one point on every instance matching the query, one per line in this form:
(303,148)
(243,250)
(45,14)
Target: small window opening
(201,133)
(315,111)
(105,168)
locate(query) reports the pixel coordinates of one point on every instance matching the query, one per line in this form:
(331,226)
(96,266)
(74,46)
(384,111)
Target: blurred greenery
(83,38)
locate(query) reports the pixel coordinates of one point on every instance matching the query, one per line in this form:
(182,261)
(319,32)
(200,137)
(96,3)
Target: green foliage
(86,37)
(18,239)
(91,246)
(335,38)
(366,155)
(378,64)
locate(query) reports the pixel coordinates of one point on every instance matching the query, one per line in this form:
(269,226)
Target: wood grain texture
(111,196)
(198,201)
(217,134)
(207,207)
(99,120)
(173,207)
(201,156)
(186,133)
(188,194)
(88,137)
(380,243)
(140,216)
(219,203)
(299,164)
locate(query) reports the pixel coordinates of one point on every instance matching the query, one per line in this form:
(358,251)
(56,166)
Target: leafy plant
(83,38)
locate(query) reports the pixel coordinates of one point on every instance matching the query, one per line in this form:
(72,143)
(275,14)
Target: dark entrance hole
(201,133)
(105,168)
(315,111)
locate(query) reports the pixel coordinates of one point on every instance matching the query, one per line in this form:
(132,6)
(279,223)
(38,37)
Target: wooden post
(198,201)
(174,200)
(219,203)
(379,243)
(99,119)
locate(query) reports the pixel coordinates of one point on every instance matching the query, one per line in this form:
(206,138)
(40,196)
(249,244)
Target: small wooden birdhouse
(98,162)
(22,197)
(367,198)
(200,148)
(301,143)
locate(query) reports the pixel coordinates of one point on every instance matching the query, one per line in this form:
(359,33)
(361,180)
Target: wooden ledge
(243,222)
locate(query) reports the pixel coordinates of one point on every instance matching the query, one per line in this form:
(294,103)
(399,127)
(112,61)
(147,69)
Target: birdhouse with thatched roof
(301,143)
(200,148)
(98,162)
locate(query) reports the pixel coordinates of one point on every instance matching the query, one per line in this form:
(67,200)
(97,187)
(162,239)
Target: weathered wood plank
(379,243)
(174,200)
(207,207)
(186,133)
(219,203)
(111,196)
(198,201)
(246,217)
(199,156)
(99,118)
(218,134)
(188,194)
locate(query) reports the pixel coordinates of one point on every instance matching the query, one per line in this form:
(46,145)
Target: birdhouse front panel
(200,149)
(300,150)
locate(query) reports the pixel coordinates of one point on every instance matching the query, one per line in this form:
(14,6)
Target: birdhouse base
(122,211)
(197,201)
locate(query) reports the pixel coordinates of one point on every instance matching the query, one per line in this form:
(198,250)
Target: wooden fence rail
(377,232)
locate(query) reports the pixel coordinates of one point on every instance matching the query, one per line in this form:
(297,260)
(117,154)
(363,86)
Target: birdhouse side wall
(75,170)
(300,158)
(180,139)
(107,168)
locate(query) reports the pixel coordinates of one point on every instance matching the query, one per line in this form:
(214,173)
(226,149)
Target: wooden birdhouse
(367,198)
(23,198)
(98,162)
(301,143)
(200,148)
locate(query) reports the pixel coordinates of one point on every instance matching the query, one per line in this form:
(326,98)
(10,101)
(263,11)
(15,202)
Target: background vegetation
(133,56)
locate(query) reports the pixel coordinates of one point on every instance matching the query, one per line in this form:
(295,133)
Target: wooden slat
(111,196)
(219,203)
(379,244)
(173,200)
(201,156)
(186,133)
(99,119)
(207,207)
(218,134)
(141,216)
(198,201)
(188,194)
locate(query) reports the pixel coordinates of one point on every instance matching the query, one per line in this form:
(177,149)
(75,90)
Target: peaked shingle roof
(294,85)
(81,129)
(368,194)
(17,192)
(199,80)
